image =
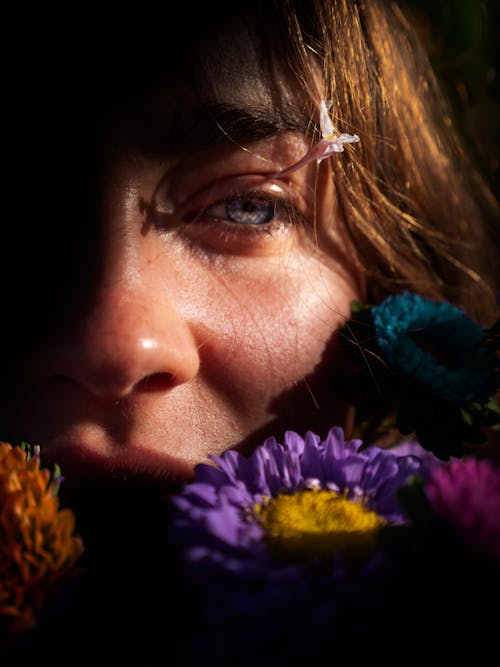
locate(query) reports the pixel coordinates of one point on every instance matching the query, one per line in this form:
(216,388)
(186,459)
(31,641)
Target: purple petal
(203,493)
(224,523)
(228,462)
(293,442)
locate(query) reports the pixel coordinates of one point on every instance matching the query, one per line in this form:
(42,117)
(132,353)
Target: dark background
(462,40)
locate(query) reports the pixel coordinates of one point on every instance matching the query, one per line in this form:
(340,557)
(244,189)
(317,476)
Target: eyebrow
(210,125)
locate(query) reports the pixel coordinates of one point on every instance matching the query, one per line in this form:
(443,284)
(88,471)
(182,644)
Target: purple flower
(304,499)
(414,448)
(282,546)
(466,494)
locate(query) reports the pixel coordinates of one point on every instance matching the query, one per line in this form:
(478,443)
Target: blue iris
(250,211)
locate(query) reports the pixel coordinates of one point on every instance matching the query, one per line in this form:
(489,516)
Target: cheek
(265,334)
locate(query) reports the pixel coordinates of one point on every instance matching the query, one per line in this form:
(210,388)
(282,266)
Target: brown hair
(416,208)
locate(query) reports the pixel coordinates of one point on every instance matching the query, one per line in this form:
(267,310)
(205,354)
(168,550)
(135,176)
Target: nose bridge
(136,301)
(135,289)
(124,313)
(125,307)
(132,329)
(137,333)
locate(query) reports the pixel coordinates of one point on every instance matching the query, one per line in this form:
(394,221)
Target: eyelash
(282,213)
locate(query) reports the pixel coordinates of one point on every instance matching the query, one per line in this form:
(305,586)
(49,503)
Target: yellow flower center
(319,522)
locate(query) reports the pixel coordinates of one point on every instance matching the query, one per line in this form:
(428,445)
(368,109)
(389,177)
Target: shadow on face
(78,95)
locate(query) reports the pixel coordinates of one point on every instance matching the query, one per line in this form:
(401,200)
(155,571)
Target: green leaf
(30,450)
(358,306)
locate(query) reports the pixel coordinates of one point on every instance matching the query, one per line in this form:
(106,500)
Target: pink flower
(466,494)
(325,147)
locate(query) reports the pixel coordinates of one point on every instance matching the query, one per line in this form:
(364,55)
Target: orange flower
(37,542)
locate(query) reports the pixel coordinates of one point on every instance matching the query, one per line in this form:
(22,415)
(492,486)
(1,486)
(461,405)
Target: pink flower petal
(318,152)
(466,493)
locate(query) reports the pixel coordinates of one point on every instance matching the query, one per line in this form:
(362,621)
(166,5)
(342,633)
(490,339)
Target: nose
(130,341)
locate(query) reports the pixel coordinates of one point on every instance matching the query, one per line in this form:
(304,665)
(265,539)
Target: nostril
(61,379)
(110,357)
(156,382)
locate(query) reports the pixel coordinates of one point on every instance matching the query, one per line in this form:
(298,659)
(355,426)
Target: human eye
(242,213)
(246,209)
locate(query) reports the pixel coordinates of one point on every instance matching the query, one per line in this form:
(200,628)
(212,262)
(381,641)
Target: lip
(120,499)
(80,462)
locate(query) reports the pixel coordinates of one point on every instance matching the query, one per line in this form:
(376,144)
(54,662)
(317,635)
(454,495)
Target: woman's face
(210,294)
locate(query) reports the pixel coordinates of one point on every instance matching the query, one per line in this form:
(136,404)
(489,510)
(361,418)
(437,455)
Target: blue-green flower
(437,346)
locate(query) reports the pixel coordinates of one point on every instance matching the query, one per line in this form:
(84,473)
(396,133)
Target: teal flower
(435,345)
(421,367)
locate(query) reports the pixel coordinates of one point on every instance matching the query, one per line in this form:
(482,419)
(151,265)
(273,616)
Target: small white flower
(326,146)
(325,122)
(332,486)
(312,483)
(328,132)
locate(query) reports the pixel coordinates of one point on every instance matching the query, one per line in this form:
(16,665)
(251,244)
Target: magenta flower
(466,494)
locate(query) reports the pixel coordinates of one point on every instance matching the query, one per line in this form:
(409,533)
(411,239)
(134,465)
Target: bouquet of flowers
(309,550)
(311,547)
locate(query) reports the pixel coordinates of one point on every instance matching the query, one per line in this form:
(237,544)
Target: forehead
(229,64)
(149,85)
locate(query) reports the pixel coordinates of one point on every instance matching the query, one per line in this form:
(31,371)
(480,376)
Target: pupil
(249,212)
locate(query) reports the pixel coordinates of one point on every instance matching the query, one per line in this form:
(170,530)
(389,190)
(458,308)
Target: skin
(196,333)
